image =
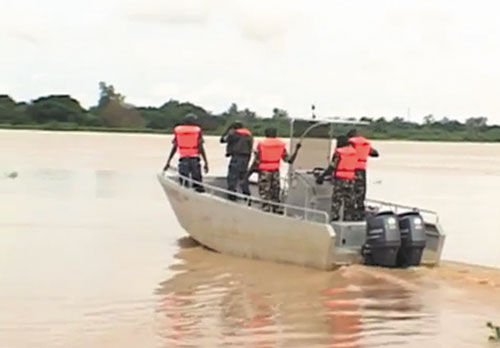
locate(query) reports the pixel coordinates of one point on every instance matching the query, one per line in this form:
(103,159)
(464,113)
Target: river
(91,255)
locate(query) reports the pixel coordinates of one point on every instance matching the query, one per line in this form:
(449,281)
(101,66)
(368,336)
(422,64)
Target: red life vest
(347,163)
(362,147)
(271,151)
(243,131)
(187,138)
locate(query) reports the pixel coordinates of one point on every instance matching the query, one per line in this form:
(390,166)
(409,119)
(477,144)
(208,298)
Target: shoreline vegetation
(113,114)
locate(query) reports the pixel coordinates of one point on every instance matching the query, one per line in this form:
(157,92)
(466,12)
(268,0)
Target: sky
(350,58)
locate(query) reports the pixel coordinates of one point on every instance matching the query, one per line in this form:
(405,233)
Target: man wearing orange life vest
(239,142)
(342,170)
(364,150)
(188,141)
(270,152)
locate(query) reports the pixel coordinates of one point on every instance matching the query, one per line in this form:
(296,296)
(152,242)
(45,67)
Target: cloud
(265,22)
(222,92)
(25,37)
(166,90)
(169,12)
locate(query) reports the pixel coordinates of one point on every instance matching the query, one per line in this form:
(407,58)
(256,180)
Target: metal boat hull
(239,230)
(304,240)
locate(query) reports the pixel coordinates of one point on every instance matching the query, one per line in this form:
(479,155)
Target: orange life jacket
(271,151)
(362,147)
(243,131)
(347,163)
(187,138)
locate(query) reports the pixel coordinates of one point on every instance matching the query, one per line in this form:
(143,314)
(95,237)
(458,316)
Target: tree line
(112,113)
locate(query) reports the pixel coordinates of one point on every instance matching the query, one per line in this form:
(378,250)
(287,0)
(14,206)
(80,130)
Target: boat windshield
(316,145)
(317,138)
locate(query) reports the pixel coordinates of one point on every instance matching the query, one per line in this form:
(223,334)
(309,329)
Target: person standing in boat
(364,150)
(342,169)
(270,151)
(188,140)
(239,147)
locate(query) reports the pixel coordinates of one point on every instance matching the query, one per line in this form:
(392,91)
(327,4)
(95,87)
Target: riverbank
(424,137)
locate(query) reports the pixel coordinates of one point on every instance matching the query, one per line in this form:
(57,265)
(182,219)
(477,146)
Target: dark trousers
(237,173)
(342,199)
(190,168)
(359,194)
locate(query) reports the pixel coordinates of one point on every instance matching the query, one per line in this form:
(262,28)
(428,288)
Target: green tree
(233,110)
(7,102)
(429,119)
(107,93)
(279,114)
(7,106)
(116,114)
(476,122)
(56,108)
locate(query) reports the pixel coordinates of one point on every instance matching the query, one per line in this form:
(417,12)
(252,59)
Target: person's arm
(291,159)
(204,156)
(373,152)
(331,169)
(226,135)
(172,153)
(255,164)
(201,149)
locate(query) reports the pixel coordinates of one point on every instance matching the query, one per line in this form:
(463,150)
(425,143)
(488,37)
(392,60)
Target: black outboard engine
(383,240)
(413,239)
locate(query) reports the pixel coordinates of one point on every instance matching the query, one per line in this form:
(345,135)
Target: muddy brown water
(91,255)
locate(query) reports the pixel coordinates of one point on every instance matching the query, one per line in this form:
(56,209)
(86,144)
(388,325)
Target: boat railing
(301,213)
(395,207)
(400,208)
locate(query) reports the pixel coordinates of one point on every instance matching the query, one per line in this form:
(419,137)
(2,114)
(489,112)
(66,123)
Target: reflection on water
(214,300)
(91,255)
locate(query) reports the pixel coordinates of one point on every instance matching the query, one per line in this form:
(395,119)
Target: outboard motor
(412,227)
(383,240)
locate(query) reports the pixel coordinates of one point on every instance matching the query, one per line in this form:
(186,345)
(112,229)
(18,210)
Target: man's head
(190,119)
(352,133)
(237,125)
(342,141)
(271,132)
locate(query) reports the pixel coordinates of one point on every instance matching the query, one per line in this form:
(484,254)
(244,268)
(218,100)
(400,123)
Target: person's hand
(167,166)
(205,168)
(319,180)
(298,146)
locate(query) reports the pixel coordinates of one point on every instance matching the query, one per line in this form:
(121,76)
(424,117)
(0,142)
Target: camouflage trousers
(269,189)
(236,173)
(342,200)
(359,195)
(189,167)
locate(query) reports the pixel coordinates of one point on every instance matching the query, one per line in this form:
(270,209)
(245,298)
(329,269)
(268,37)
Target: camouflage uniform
(237,172)
(269,189)
(359,195)
(269,182)
(343,194)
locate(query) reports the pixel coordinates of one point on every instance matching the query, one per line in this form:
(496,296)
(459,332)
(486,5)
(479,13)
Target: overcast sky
(350,57)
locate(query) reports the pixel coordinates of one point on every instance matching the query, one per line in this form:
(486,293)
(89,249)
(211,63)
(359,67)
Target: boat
(302,234)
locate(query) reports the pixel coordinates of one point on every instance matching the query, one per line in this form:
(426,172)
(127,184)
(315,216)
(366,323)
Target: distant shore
(76,128)
(112,114)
